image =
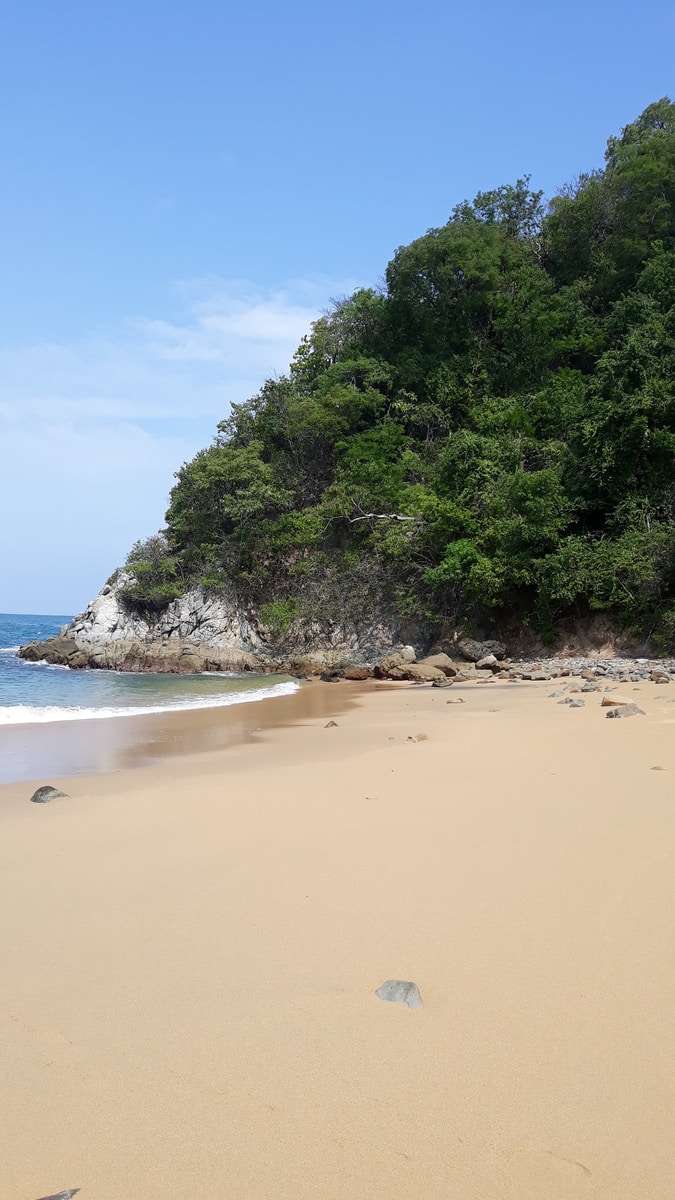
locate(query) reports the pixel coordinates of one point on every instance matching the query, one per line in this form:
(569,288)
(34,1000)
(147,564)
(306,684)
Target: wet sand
(190,953)
(88,747)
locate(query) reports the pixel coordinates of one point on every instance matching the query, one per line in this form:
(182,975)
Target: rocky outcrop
(202,631)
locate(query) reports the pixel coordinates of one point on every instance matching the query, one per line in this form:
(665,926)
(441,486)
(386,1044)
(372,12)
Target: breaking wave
(25,714)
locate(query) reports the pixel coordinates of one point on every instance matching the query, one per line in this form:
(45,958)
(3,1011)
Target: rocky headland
(202,631)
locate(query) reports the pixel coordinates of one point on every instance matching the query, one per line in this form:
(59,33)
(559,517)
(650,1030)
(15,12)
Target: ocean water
(37,692)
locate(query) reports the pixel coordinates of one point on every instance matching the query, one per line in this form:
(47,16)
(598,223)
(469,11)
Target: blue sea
(37,692)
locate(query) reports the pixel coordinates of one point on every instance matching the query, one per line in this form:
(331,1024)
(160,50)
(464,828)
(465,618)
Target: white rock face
(201,631)
(196,624)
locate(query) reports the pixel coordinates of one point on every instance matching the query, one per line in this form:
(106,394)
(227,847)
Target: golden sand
(190,953)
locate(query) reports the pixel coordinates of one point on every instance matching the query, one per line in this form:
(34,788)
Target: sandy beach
(191,944)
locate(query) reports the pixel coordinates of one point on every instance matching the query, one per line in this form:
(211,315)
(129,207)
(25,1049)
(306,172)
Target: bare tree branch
(381,517)
(371,517)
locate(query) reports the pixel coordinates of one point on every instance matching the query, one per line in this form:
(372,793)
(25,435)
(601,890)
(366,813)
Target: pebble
(400,991)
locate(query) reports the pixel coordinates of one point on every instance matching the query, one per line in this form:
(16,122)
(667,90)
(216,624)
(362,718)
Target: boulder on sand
(442,661)
(394,661)
(475,651)
(416,673)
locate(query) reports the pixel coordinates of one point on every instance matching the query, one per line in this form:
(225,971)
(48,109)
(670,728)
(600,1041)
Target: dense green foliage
(490,437)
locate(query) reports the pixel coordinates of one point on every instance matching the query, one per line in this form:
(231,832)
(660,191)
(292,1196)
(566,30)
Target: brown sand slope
(190,955)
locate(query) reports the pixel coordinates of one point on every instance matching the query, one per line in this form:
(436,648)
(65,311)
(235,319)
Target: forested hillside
(489,437)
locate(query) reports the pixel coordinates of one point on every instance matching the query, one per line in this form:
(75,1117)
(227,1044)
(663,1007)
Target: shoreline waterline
(63,749)
(23,714)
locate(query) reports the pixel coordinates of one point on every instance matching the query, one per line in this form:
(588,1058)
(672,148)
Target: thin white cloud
(92,430)
(229,337)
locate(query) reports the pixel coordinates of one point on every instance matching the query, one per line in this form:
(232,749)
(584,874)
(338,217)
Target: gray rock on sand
(331,725)
(415,673)
(42,796)
(626,710)
(577,703)
(490,660)
(67,1195)
(475,651)
(442,661)
(398,991)
(456,700)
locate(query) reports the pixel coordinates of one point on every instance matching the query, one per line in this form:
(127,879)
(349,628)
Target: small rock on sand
(455,700)
(658,768)
(46,793)
(399,991)
(331,725)
(577,703)
(67,1195)
(626,710)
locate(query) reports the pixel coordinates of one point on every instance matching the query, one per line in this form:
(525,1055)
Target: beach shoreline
(86,747)
(192,950)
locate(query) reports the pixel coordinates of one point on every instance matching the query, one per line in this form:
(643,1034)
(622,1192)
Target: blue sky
(185,186)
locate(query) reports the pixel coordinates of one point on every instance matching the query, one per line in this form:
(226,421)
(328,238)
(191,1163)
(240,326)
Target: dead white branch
(381,517)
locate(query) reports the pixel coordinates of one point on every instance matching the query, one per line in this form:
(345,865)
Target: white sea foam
(9,649)
(24,714)
(43,664)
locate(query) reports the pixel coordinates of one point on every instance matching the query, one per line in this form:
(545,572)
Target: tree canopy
(489,436)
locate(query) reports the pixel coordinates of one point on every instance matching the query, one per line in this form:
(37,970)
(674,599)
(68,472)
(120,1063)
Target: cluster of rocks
(466,661)
(202,632)
(469,661)
(596,671)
